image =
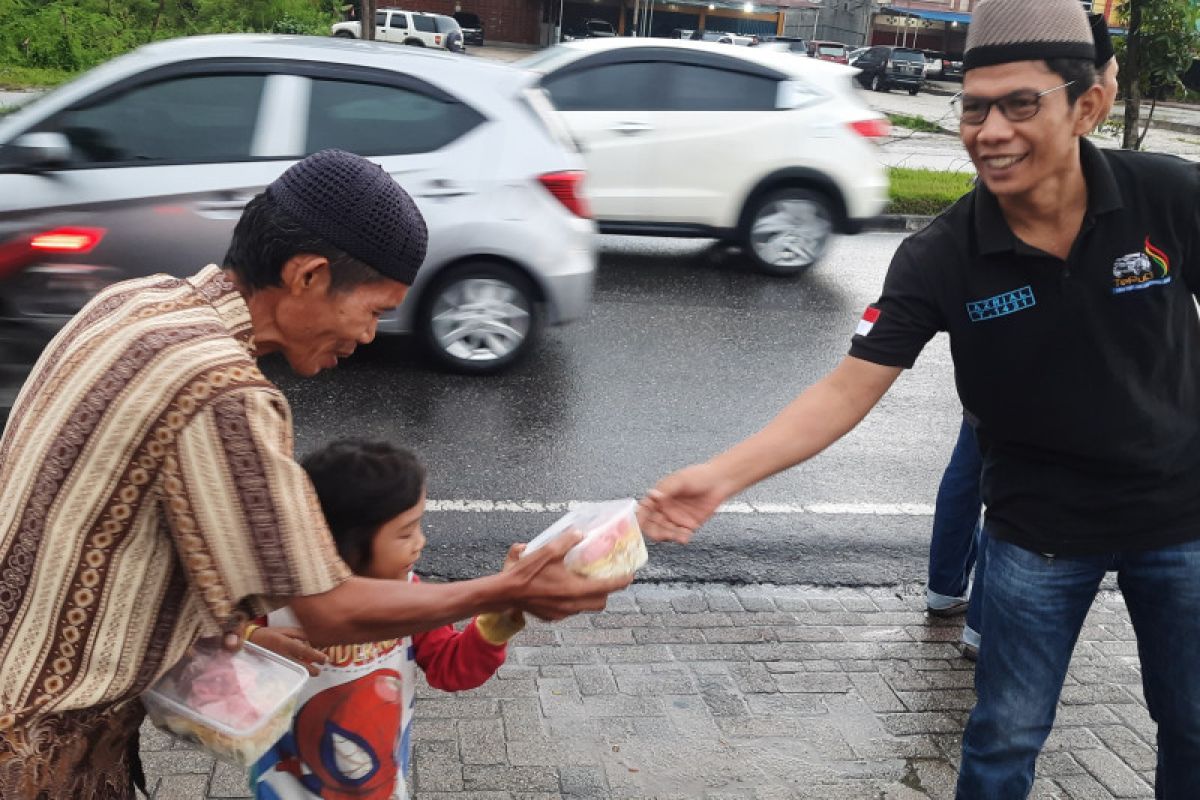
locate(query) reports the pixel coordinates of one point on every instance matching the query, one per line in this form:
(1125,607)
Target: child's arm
(287,642)
(454,661)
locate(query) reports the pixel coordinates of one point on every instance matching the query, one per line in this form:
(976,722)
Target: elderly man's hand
(550,591)
(682,502)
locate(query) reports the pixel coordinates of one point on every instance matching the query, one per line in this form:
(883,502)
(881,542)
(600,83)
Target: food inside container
(233,704)
(612,539)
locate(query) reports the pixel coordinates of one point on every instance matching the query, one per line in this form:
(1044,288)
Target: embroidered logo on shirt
(869,318)
(1136,271)
(1002,304)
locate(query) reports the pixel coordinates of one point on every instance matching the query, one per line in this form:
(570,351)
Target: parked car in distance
(791,44)
(472,27)
(886,67)
(144,165)
(829,51)
(853,55)
(720,37)
(454,40)
(740,39)
(415,28)
(589,29)
(797,144)
(952,67)
(934,60)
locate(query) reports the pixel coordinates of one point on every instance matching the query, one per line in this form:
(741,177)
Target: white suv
(144,165)
(408,27)
(686,138)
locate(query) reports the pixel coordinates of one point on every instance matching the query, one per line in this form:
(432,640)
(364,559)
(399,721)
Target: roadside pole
(366,25)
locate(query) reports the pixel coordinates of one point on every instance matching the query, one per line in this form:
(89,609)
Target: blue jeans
(1032,613)
(952,550)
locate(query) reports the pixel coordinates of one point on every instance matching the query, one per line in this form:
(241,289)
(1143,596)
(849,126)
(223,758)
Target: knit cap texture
(356,206)
(1003,31)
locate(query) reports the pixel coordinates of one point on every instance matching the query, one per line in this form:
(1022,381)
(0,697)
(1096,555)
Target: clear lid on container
(232,692)
(612,542)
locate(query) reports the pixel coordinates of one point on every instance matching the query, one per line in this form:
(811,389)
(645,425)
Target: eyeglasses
(1016,106)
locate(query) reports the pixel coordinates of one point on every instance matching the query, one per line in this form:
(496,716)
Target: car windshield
(907,55)
(599,27)
(549,59)
(831,50)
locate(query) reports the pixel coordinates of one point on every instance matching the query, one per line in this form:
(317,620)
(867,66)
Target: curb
(905,223)
(1164,125)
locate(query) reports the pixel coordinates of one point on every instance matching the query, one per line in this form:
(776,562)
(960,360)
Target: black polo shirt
(1083,375)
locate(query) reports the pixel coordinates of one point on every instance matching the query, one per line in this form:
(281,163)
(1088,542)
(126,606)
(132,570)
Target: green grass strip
(925,192)
(915,123)
(14,77)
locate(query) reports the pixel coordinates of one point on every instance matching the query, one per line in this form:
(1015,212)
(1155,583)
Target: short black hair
(1079,72)
(266,237)
(362,485)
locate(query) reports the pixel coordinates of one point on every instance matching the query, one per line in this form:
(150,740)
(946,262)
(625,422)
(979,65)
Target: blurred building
(926,24)
(923,24)
(538,22)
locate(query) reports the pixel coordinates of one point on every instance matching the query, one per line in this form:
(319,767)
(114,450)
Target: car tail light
(18,253)
(567,188)
(67,240)
(872,128)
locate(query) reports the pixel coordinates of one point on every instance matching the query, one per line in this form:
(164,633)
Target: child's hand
(289,643)
(500,626)
(512,557)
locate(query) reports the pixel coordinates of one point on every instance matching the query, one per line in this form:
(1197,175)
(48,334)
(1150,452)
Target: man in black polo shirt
(1068,282)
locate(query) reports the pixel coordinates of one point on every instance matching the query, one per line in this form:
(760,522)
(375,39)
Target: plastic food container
(612,539)
(233,704)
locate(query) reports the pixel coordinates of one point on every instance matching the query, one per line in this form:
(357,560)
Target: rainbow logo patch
(1136,271)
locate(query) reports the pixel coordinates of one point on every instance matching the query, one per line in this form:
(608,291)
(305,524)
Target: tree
(1157,51)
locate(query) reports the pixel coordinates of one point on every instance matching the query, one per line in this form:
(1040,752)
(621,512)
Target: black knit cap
(357,207)
(1003,31)
(1101,38)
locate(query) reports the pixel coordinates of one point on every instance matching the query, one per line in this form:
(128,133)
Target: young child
(351,734)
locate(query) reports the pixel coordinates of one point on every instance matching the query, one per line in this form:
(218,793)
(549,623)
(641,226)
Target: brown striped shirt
(149,496)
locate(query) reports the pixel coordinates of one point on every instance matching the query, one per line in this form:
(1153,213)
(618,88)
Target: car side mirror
(45,149)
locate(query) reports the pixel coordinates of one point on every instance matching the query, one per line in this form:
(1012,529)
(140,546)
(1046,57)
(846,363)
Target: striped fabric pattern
(150,496)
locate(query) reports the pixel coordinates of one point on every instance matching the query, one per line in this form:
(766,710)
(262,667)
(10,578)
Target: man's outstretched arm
(370,610)
(818,417)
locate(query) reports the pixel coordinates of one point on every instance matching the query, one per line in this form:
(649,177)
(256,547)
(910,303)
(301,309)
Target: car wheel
(913,92)
(877,84)
(787,231)
(344,35)
(479,317)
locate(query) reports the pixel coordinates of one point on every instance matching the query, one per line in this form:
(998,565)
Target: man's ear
(1088,110)
(305,272)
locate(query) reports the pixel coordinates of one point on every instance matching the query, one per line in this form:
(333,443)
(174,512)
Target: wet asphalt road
(684,352)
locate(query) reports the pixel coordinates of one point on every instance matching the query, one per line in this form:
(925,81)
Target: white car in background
(414,28)
(144,165)
(686,138)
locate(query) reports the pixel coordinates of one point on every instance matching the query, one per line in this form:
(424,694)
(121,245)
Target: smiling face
(398,544)
(317,326)
(1013,158)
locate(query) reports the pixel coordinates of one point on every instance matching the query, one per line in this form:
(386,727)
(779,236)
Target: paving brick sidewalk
(763,693)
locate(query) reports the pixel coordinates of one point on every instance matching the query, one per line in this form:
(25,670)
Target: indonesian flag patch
(869,318)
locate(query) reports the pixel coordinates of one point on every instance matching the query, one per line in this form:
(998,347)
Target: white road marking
(832,509)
